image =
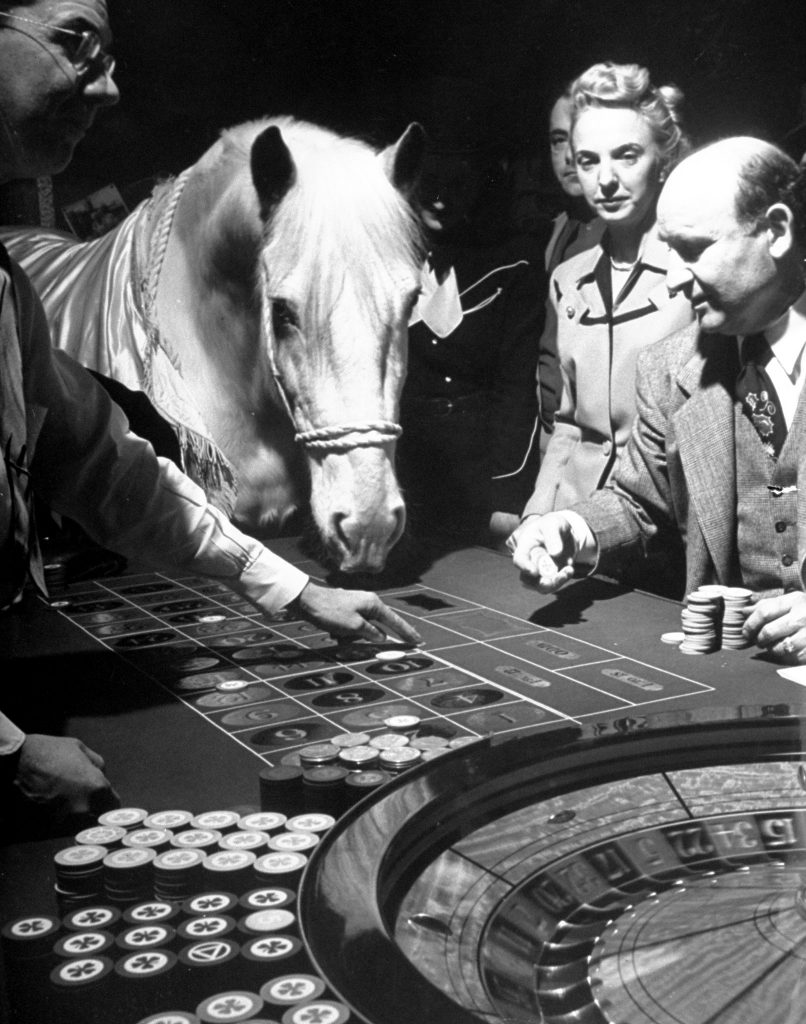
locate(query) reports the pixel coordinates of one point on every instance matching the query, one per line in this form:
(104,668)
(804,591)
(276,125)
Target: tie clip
(778,491)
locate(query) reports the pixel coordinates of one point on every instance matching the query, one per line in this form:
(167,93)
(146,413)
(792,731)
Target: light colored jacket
(597,355)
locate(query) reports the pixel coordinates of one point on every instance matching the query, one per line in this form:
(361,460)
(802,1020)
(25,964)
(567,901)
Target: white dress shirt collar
(787,336)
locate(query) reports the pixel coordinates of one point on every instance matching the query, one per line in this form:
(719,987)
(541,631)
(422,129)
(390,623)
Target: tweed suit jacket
(678,469)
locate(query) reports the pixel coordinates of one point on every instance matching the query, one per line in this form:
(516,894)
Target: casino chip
(310,823)
(100,835)
(351,739)
(398,759)
(222,821)
(126,817)
(297,841)
(401,723)
(280,865)
(149,936)
(229,1007)
(242,840)
(275,950)
(262,821)
(149,912)
(262,922)
(211,903)
(393,655)
(289,989)
(173,820)
(389,740)
(205,926)
(151,963)
(267,897)
(91,918)
(317,1011)
(87,943)
(29,936)
(81,972)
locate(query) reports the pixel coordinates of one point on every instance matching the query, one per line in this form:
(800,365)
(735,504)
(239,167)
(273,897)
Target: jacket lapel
(705,430)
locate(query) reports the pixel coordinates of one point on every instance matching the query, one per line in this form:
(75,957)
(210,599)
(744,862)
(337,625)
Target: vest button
(780,526)
(787,560)
(607,448)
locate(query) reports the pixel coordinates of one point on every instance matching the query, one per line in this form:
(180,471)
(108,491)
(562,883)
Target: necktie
(757,393)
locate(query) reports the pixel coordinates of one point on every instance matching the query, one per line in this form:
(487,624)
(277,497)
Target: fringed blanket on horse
(99,299)
(261,301)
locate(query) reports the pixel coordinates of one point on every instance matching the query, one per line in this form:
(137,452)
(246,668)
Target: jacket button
(787,560)
(780,526)
(569,312)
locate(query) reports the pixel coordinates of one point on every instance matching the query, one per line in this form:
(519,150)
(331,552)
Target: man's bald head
(729,213)
(749,174)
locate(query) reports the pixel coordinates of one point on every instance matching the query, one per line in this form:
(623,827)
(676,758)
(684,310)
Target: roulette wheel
(644,870)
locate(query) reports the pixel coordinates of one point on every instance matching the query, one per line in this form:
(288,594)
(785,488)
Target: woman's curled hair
(629,86)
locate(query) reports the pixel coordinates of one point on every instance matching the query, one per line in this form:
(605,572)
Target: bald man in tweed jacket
(695,465)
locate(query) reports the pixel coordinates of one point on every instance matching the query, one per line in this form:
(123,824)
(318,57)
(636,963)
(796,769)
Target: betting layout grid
(278,685)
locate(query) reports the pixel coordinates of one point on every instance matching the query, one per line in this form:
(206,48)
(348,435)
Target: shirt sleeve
(87,465)
(11,738)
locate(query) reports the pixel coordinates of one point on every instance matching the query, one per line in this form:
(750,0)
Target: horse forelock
(341,219)
(341,222)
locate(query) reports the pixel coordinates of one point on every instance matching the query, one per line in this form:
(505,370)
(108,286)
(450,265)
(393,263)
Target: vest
(767,498)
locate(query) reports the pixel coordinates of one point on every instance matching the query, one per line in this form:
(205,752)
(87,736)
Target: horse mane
(341,214)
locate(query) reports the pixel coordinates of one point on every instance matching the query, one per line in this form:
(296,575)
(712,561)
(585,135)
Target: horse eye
(282,316)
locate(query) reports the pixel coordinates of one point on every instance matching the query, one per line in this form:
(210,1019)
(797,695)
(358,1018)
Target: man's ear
(780,230)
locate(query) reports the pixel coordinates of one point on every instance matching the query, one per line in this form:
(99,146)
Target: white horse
(261,301)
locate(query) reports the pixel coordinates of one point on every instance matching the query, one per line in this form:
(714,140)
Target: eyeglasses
(86,53)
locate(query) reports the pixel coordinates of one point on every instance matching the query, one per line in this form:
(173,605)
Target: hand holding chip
(548,549)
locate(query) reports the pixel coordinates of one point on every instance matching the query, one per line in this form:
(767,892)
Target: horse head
(335,266)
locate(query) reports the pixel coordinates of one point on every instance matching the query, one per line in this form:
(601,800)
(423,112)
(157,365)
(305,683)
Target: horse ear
(403,161)
(273,171)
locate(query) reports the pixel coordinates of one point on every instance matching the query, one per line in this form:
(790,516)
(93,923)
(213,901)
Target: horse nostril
(337,520)
(399,517)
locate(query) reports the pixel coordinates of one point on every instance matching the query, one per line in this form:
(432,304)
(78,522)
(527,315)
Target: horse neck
(211,326)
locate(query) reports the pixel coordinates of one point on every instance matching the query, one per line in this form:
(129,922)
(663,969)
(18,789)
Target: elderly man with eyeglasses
(62,438)
(56,74)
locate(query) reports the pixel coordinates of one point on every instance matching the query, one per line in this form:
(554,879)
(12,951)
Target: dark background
(187,68)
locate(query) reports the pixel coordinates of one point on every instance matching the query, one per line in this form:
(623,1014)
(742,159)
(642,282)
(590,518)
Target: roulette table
(600,827)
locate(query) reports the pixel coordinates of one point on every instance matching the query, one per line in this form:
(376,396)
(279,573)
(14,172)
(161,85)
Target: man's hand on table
(63,777)
(347,614)
(548,548)
(778,625)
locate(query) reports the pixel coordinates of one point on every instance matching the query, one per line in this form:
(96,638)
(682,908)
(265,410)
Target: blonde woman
(611,301)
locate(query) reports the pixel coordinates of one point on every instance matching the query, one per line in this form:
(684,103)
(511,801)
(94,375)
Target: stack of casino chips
(129,874)
(736,599)
(701,620)
(712,619)
(331,776)
(230,951)
(79,874)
